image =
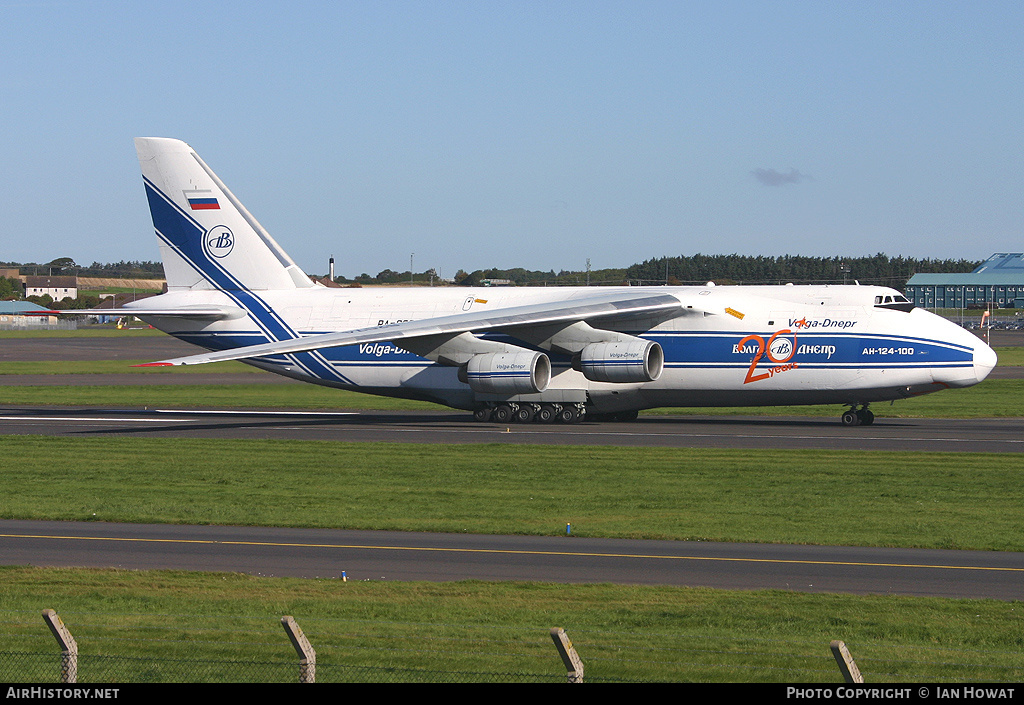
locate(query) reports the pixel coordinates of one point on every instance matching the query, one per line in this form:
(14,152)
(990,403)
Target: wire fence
(16,667)
(154,648)
(31,324)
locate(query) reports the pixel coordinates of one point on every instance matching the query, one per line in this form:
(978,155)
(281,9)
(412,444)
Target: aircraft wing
(589,308)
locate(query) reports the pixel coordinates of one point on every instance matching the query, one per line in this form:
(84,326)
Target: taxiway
(758,432)
(380,555)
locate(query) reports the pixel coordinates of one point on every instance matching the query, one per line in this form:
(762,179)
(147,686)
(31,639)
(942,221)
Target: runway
(374,555)
(753,432)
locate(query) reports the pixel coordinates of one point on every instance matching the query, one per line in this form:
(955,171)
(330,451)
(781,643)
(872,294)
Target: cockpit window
(894,303)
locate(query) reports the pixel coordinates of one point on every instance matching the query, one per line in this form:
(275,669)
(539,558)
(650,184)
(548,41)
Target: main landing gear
(513,412)
(857,417)
(520,412)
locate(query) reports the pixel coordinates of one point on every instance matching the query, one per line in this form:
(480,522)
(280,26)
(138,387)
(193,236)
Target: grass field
(165,625)
(461,631)
(935,500)
(1010,357)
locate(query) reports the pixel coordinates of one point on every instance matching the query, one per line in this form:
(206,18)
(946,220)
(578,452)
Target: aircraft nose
(984,360)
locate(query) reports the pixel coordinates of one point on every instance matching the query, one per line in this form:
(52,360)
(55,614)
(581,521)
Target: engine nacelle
(509,373)
(631,361)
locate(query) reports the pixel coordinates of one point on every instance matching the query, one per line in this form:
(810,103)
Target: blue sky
(534,134)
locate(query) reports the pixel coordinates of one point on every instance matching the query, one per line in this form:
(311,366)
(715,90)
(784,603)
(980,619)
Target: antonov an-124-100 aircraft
(531,353)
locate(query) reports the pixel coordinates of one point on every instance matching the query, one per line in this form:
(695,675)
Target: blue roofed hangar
(998,282)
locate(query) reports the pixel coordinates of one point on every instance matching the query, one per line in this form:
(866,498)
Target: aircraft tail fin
(208,240)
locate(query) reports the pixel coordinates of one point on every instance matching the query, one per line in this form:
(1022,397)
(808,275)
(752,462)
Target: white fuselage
(744,345)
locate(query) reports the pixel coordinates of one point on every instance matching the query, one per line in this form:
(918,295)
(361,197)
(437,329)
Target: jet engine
(508,373)
(628,361)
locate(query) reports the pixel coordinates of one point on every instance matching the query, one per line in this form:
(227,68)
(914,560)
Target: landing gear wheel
(866,417)
(572,414)
(546,413)
(850,418)
(524,414)
(483,415)
(503,413)
(568,415)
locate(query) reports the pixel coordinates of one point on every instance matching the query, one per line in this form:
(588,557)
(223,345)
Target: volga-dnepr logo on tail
(219,241)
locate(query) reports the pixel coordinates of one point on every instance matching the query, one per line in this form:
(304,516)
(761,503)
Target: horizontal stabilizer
(209,312)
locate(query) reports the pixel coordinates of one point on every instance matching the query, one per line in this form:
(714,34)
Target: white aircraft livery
(531,353)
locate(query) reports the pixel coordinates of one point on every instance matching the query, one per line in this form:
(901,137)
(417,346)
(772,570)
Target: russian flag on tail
(202,200)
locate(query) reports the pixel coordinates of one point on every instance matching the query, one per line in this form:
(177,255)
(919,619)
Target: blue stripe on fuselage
(820,349)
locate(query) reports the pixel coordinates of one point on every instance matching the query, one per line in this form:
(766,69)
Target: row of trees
(114,270)
(10,289)
(67,303)
(517,275)
(878,269)
(691,269)
(722,269)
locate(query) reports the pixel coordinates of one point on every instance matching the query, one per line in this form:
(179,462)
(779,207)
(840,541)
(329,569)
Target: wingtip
(155,364)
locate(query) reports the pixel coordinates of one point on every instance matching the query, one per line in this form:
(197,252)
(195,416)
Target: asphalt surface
(409,556)
(765,432)
(377,555)
(136,379)
(130,347)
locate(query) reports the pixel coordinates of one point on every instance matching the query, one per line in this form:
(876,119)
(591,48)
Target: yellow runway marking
(575,554)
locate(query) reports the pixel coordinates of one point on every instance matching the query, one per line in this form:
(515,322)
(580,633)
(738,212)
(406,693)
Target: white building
(56,287)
